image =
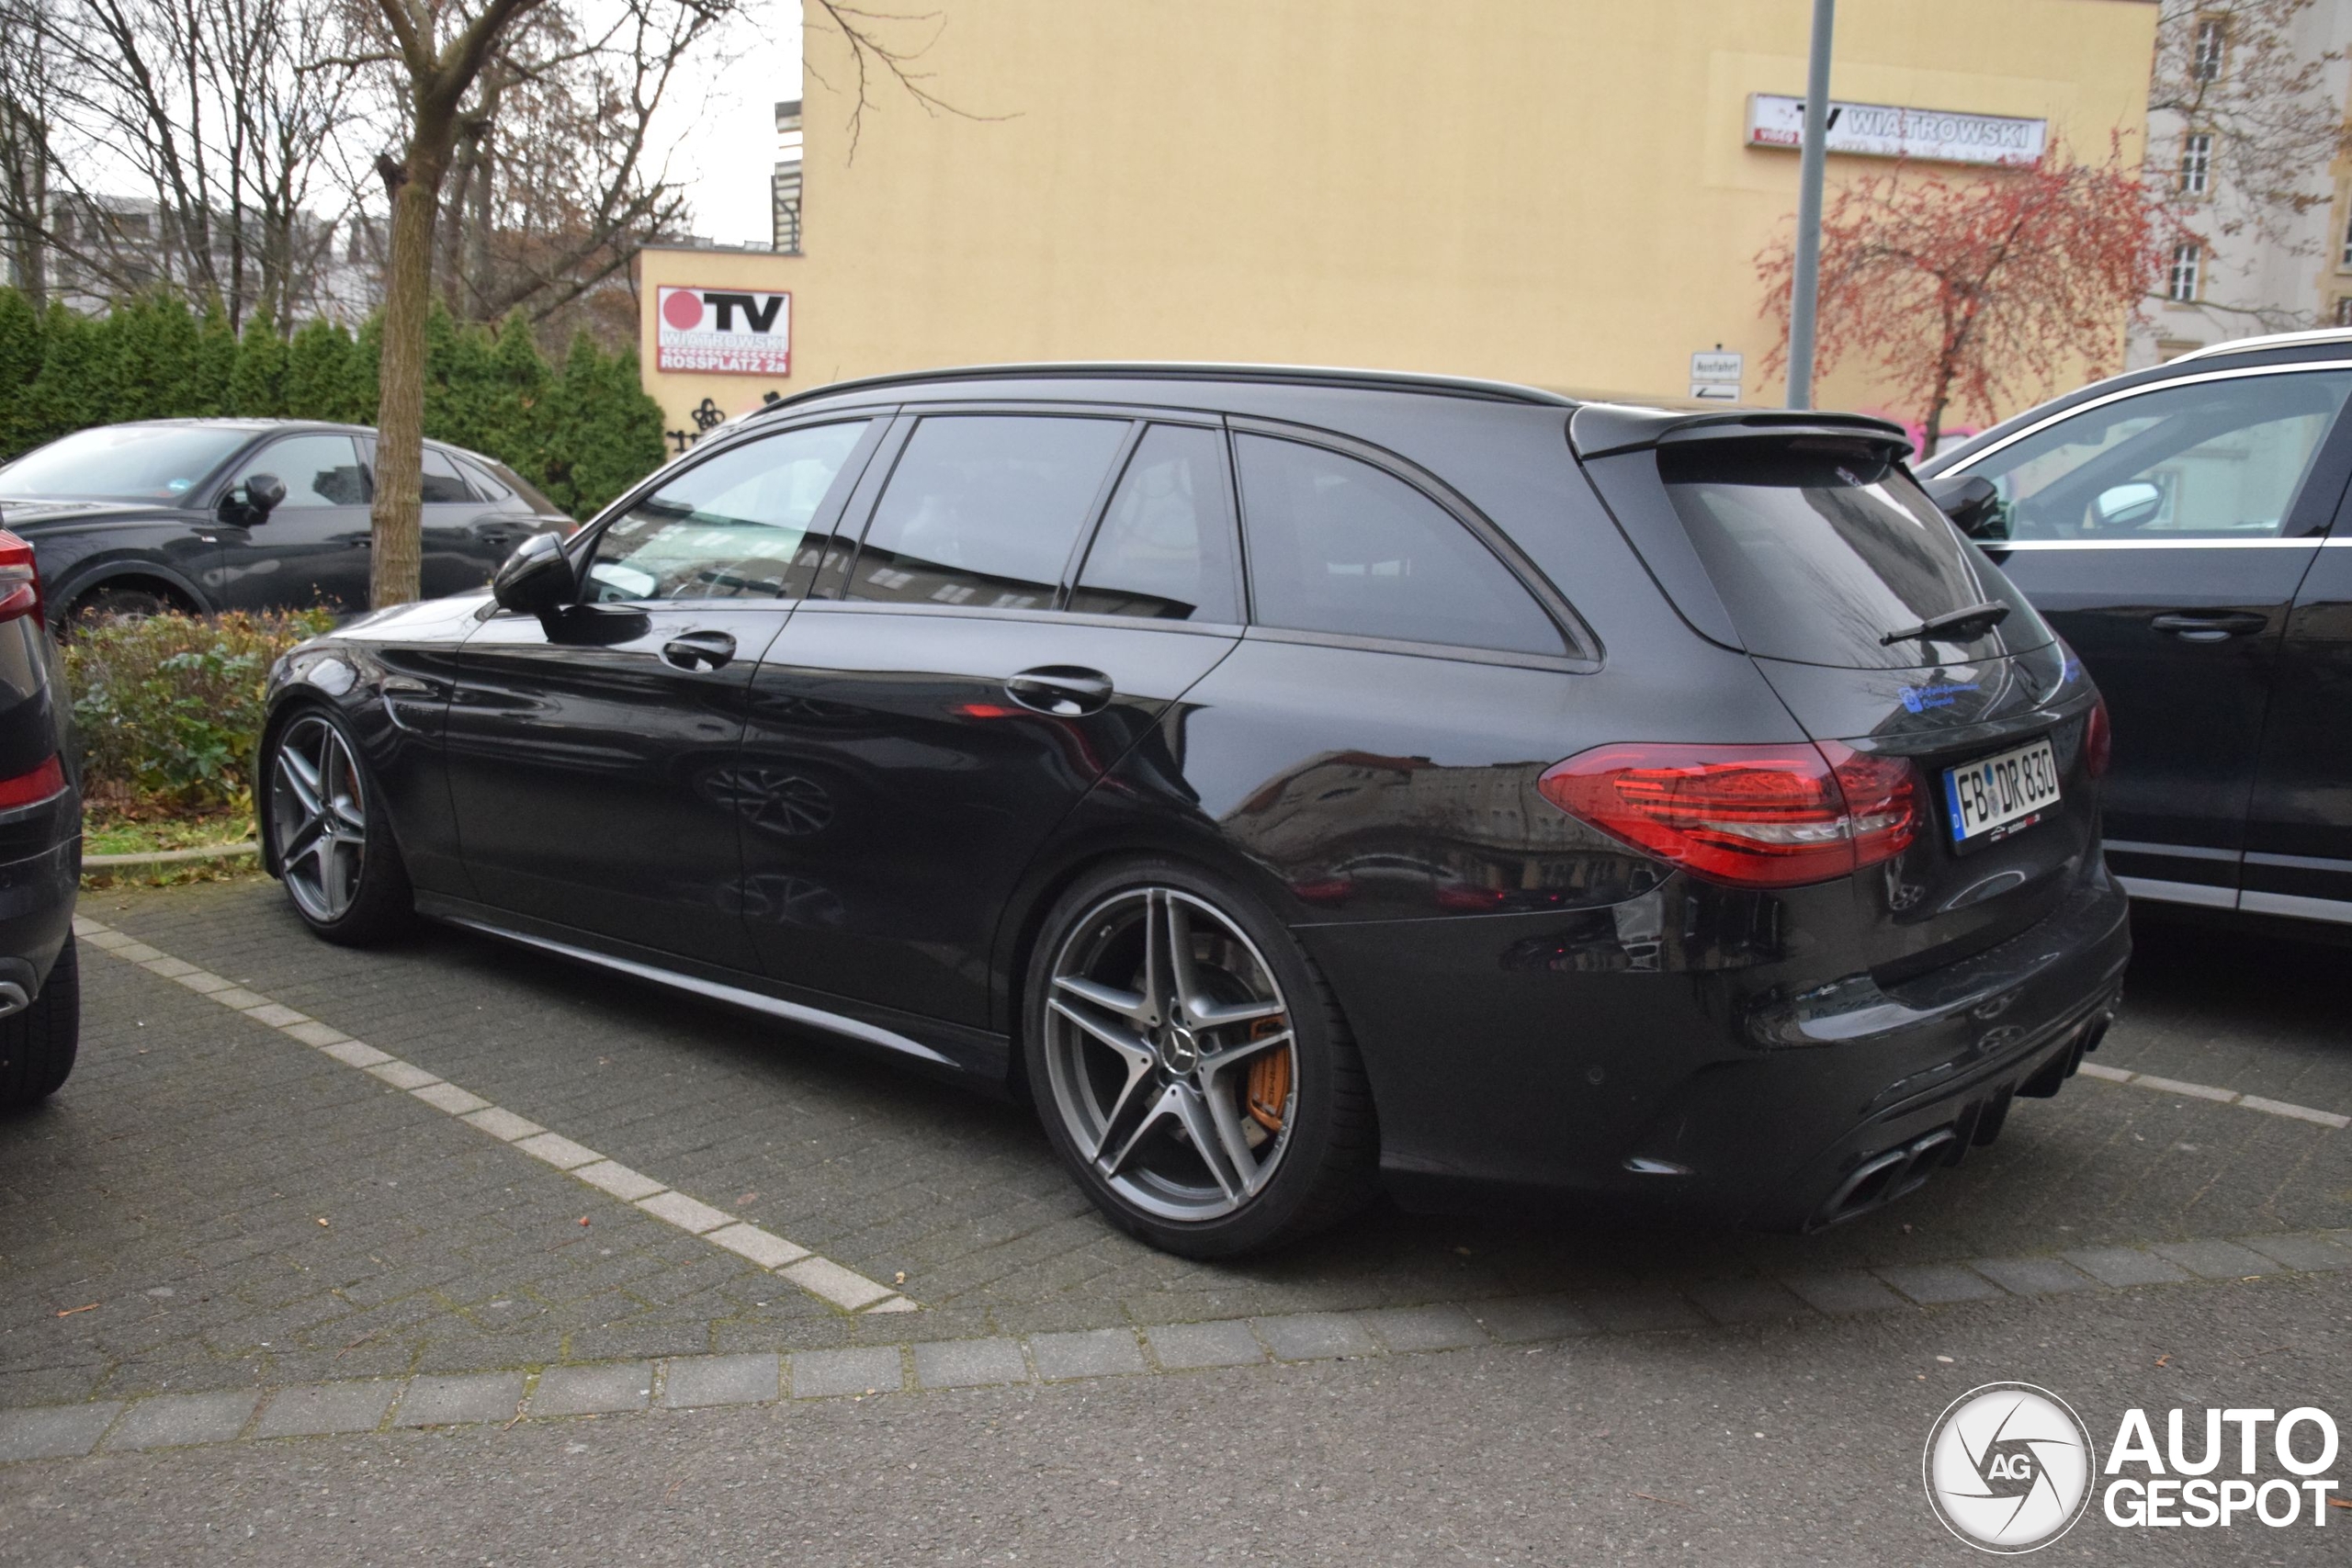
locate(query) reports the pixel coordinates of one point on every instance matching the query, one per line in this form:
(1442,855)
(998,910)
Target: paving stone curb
(585,1389)
(842,1289)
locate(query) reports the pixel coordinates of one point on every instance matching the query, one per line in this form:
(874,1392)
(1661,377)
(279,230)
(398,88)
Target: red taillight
(19,583)
(27,788)
(2098,742)
(1751,816)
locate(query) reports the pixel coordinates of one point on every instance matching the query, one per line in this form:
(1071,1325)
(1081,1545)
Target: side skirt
(942,1049)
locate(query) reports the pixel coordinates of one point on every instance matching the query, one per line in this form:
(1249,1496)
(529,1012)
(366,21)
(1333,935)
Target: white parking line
(827,1281)
(2207,1091)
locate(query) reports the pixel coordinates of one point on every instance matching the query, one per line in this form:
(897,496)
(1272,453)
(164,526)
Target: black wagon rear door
(913,742)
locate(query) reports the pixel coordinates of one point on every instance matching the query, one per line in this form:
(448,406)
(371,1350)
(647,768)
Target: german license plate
(2001,793)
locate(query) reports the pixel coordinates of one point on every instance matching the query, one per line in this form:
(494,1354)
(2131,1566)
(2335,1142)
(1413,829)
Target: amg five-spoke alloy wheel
(1190,1066)
(334,851)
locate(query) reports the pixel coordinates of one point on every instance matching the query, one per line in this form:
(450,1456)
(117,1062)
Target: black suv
(2188,529)
(1288,779)
(40,845)
(208,514)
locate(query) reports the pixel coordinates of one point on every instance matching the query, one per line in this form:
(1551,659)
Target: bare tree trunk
(477,260)
(395,575)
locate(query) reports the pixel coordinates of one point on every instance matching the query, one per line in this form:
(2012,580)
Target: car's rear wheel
(119,604)
(329,835)
(38,1041)
(1190,1064)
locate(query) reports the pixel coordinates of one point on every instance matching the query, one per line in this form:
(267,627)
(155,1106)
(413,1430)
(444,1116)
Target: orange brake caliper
(1268,1078)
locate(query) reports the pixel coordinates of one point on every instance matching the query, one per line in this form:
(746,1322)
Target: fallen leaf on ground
(2161,1360)
(69,1311)
(583,1218)
(322,1219)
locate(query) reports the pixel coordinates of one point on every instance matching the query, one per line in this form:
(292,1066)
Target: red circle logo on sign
(683,310)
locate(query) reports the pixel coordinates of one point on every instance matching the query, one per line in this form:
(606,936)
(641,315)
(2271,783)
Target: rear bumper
(36,894)
(1695,1089)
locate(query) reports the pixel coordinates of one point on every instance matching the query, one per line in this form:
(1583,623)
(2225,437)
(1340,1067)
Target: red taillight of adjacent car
(37,784)
(19,583)
(1750,815)
(2099,741)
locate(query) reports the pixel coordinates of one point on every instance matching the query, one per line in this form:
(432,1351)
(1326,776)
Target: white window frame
(2196,163)
(2185,279)
(2209,49)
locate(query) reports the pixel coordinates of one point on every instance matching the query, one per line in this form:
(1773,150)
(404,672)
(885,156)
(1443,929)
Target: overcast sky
(726,136)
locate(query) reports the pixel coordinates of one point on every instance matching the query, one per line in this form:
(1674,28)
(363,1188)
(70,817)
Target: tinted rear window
(1821,552)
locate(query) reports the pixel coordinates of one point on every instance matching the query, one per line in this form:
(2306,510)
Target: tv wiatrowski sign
(729,331)
(1886,131)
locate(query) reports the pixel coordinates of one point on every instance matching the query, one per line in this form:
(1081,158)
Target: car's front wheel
(329,835)
(39,1040)
(1191,1066)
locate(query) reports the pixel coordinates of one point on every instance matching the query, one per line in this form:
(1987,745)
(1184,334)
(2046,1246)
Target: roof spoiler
(1597,430)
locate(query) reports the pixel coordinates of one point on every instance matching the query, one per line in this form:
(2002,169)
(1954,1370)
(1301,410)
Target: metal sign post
(1804,291)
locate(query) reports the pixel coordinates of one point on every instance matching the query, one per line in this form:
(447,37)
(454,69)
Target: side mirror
(1972,502)
(536,580)
(253,500)
(2134,506)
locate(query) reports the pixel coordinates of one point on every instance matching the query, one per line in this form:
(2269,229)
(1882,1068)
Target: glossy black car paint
(40,843)
(205,554)
(2228,669)
(1538,1005)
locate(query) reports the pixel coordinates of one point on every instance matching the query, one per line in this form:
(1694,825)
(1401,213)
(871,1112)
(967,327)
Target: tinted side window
(2211,460)
(983,510)
(442,485)
(1165,548)
(317,471)
(727,527)
(482,484)
(1338,545)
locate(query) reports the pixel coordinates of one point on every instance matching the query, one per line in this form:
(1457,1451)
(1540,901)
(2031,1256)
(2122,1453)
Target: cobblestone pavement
(212,1207)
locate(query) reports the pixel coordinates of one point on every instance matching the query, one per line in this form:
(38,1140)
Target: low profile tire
(1191,1066)
(329,834)
(116,604)
(37,1046)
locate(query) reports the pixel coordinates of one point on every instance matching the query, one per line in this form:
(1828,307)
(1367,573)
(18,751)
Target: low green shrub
(168,709)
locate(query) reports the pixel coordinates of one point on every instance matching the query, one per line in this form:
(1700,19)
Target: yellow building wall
(1549,191)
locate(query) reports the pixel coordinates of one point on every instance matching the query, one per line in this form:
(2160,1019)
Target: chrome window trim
(2143,389)
(2259,543)
(792,1012)
(2297,862)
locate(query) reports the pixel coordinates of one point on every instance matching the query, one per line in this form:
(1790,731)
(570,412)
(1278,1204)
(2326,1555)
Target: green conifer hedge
(583,431)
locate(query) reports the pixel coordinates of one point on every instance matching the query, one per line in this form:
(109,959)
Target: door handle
(2219,626)
(1065,691)
(690,650)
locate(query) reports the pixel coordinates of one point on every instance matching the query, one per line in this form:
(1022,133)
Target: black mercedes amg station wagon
(1293,781)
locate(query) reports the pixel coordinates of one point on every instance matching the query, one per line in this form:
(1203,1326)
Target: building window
(2344,311)
(2345,261)
(2205,54)
(2181,280)
(2196,163)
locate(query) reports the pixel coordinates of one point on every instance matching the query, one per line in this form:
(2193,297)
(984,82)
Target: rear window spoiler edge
(1597,430)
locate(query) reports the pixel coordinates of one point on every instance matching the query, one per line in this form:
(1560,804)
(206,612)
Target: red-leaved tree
(1968,290)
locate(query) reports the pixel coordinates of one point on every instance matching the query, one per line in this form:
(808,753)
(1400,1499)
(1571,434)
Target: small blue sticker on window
(178,485)
(1919,699)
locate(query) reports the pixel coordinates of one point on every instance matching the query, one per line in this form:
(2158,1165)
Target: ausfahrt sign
(727,331)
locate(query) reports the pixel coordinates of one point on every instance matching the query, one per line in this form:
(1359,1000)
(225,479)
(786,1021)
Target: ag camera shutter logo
(2008,1467)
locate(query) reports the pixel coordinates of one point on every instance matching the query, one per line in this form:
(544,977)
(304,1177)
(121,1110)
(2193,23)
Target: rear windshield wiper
(1971,620)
